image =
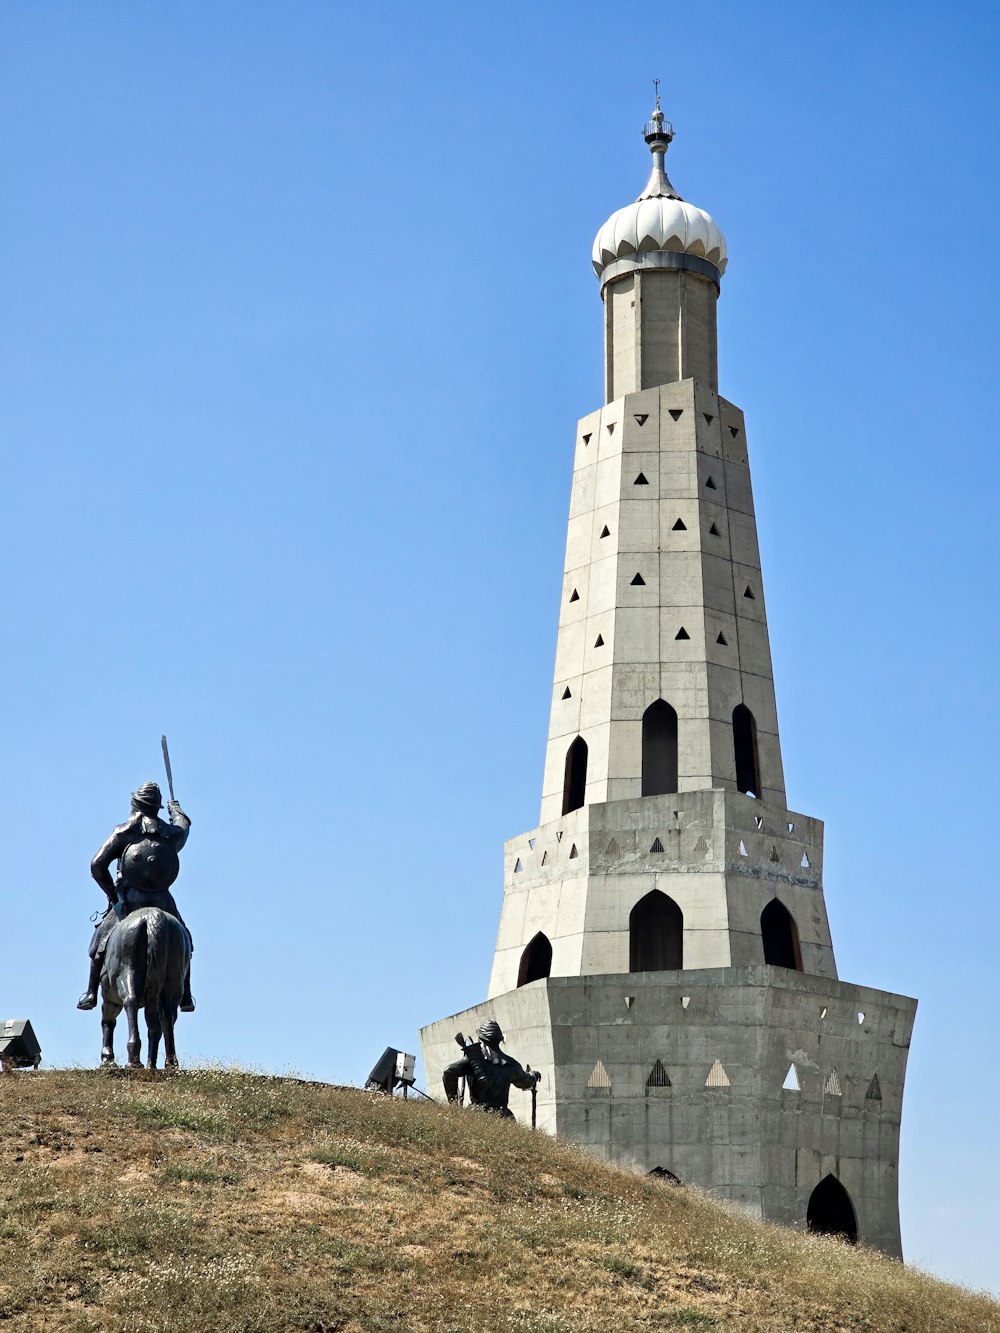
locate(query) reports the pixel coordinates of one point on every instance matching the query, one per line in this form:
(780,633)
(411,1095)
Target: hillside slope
(226,1201)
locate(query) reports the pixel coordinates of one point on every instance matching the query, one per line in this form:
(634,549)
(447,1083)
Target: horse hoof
(107,1060)
(87,1001)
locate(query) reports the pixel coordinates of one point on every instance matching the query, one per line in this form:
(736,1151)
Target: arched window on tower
(745,745)
(655,934)
(536,961)
(659,749)
(831,1212)
(575,780)
(780,936)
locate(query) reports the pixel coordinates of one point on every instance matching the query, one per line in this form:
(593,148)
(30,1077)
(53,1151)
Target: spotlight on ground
(393,1069)
(19,1048)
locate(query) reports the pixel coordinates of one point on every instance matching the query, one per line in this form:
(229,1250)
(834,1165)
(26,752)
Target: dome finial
(658,133)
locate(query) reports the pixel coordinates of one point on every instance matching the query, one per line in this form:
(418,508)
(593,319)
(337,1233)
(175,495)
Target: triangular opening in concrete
(874,1093)
(641,417)
(679,526)
(574,596)
(773,856)
(682,634)
(599,641)
(805,863)
(743,848)
(611,427)
(586,439)
(599,1077)
(566,693)
(717,1077)
(606,532)
(545,858)
(791,1083)
(714,531)
(638,581)
(640,480)
(708,417)
(734,431)
(676,412)
(748,594)
(573,853)
(832,1085)
(658,1077)
(723,640)
(710,484)
(612,848)
(518,867)
(656,848)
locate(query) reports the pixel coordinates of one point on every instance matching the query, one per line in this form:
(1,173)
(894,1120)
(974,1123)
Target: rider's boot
(88,1000)
(187,1000)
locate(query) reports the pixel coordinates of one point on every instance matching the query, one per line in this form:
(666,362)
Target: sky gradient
(299,317)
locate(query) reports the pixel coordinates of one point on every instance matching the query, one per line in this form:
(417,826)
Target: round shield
(150,864)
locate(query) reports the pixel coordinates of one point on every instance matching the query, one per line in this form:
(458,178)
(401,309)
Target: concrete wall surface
(723,857)
(776,1080)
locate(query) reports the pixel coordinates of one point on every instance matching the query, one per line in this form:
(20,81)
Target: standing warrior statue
(490,1073)
(146,849)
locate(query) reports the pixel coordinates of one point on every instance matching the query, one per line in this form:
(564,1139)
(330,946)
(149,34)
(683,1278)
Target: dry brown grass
(218,1200)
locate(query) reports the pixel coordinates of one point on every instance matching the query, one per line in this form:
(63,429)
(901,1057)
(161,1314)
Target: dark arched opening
(575,779)
(659,749)
(661,1173)
(831,1212)
(780,936)
(745,746)
(655,934)
(536,961)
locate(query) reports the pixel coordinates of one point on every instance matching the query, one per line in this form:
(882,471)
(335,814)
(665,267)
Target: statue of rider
(146,849)
(488,1072)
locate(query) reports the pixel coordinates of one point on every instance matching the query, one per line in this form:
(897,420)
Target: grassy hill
(227,1201)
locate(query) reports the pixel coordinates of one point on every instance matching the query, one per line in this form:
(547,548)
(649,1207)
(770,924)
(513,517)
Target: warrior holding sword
(146,849)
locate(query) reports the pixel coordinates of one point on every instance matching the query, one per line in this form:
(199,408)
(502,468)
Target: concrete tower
(664,954)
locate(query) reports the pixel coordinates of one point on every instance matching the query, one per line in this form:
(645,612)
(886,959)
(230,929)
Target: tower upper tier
(659,230)
(660,262)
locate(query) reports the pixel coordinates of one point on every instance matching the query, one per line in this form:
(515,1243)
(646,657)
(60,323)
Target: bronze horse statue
(145,966)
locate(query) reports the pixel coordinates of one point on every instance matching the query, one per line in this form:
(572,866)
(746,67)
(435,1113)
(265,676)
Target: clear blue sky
(298,318)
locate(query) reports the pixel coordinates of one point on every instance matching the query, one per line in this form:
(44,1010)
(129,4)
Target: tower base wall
(729,1118)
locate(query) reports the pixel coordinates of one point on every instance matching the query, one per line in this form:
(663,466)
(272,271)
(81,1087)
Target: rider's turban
(490,1033)
(148,798)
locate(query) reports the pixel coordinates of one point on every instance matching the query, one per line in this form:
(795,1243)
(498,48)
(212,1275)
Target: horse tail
(157,952)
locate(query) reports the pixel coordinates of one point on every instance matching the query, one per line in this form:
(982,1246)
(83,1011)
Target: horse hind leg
(154,1030)
(134,1044)
(168,1016)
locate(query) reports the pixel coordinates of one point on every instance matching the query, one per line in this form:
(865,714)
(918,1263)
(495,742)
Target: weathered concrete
(751,1140)
(663,604)
(690,446)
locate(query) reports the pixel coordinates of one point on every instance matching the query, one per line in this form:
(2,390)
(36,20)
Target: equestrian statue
(140,954)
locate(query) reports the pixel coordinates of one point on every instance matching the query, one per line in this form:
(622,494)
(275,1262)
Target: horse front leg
(109,1016)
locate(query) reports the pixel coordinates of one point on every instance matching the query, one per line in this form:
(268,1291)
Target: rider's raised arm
(180,822)
(100,866)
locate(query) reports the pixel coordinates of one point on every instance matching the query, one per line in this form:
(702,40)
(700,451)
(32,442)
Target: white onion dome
(660,230)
